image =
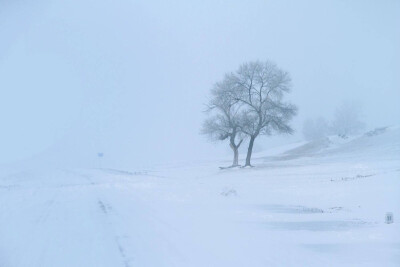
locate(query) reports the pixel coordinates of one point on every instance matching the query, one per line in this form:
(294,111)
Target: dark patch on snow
(358,176)
(103,207)
(230,167)
(318,225)
(292,209)
(123,254)
(128,173)
(376,131)
(121,172)
(333,209)
(229,193)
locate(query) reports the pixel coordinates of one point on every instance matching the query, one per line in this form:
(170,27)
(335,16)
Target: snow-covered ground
(309,204)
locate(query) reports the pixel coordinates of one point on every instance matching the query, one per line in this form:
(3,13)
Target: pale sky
(129,78)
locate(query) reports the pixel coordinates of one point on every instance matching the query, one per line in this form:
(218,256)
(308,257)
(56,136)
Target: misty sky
(129,78)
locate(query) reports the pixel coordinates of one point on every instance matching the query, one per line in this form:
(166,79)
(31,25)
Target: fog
(130,78)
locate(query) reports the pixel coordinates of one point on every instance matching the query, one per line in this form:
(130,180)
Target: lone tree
(347,120)
(259,88)
(224,121)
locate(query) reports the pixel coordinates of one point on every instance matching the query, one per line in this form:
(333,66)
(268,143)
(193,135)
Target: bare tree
(224,121)
(260,87)
(347,120)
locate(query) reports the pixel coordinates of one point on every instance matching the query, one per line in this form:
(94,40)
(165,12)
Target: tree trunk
(235,154)
(235,157)
(250,150)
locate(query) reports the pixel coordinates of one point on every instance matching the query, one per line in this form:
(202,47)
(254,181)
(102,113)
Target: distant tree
(315,128)
(347,120)
(223,122)
(260,87)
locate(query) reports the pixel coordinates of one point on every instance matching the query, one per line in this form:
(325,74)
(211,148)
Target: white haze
(129,78)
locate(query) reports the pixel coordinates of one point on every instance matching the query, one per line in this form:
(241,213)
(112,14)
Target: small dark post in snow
(100,156)
(389,217)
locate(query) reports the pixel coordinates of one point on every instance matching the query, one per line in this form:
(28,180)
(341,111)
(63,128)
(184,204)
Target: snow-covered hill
(320,203)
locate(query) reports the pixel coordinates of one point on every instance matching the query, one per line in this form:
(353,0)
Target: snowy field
(309,204)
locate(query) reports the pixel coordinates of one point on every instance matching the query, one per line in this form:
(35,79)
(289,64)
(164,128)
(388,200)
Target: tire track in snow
(106,209)
(115,220)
